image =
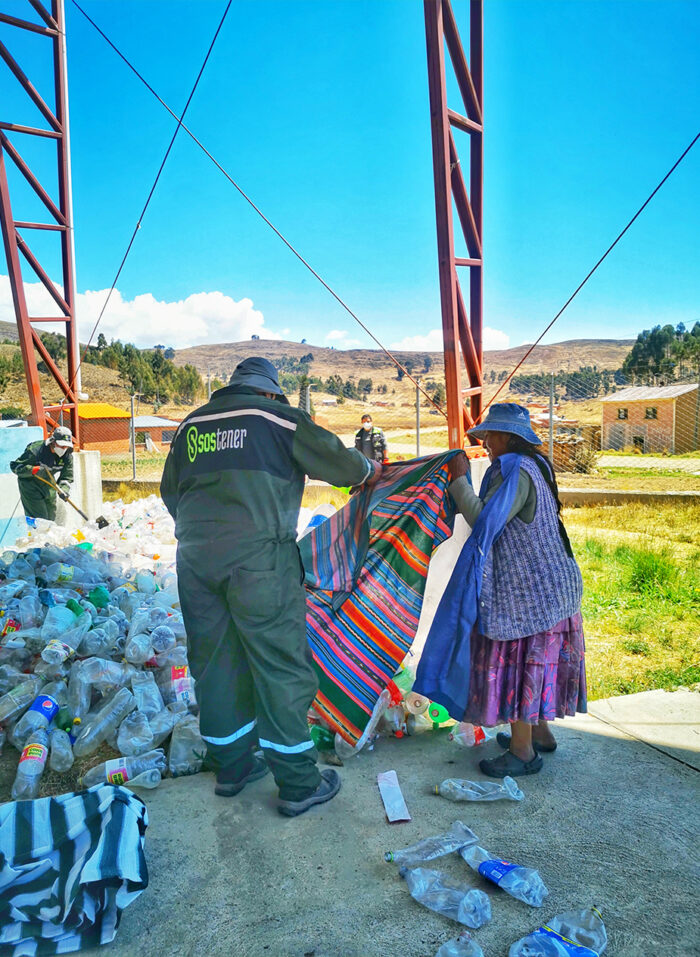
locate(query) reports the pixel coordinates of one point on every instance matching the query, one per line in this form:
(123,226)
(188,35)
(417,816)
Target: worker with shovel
(44,470)
(233,482)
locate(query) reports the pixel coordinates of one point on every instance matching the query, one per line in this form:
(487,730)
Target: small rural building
(154,429)
(652,418)
(103,427)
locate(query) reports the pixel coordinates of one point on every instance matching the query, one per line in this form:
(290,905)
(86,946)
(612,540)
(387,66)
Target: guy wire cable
(584,281)
(155,183)
(256,208)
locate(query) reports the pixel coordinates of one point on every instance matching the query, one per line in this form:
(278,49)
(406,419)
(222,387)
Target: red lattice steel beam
(461,330)
(59,207)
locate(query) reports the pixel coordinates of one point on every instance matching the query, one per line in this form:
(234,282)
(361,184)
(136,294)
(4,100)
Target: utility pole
(417,419)
(208,384)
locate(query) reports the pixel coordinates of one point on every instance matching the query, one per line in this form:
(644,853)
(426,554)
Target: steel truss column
(56,129)
(462,330)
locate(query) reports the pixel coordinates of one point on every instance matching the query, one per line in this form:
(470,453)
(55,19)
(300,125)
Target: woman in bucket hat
(527,654)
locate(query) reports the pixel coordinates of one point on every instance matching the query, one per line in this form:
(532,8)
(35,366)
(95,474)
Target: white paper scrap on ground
(393,799)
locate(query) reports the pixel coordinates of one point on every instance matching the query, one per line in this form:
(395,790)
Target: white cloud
(340,337)
(145,320)
(432,341)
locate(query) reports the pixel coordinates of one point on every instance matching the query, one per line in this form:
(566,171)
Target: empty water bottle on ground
(106,720)
(138,649)
(458,836)
(41,713)
(523,883)
(31,767)
(104,674)
(61,758)
(454,900)
(576,933)
(18,700)
(135,735)
(149,700)
(60,572)
(147,779)
(469,735)
(187,749)
(462,946)
(457,790)
(121,770)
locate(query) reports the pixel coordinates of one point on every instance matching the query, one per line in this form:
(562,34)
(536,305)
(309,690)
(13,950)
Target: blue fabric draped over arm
(443,671)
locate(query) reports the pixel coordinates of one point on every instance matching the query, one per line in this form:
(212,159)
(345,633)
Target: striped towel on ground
(366,568)
(69,865)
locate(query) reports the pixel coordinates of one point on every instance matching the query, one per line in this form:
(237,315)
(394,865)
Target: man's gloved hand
(42,472)
(62,494)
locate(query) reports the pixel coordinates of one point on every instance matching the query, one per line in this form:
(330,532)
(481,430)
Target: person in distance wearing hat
(50,459)
(233,482)
(528,662)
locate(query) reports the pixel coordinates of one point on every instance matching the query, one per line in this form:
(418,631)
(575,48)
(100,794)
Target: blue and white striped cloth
(69,865)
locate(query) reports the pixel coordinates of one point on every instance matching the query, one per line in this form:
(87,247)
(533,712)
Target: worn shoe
(327,789)
(227,786)
(511,765)
(503,739)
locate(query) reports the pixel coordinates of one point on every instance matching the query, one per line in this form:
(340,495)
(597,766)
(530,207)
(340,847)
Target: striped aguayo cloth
(69,865)
(366,571)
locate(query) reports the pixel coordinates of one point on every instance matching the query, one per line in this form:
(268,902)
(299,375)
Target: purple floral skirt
(540,676)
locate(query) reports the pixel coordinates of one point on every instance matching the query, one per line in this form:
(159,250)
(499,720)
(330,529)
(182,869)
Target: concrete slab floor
(609,821)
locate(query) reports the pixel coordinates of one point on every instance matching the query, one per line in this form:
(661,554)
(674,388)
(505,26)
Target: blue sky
(320,111)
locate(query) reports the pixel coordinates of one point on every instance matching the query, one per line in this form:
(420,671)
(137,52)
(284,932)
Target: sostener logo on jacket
(207,442)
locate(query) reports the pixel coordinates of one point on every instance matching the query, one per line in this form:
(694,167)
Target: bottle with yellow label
(31,767)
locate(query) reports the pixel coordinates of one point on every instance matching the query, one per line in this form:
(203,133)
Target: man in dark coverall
(233,482)
(52,460)
(371,441)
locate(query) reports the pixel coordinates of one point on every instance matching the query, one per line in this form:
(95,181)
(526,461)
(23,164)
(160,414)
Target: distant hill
(220,359)
(8,330)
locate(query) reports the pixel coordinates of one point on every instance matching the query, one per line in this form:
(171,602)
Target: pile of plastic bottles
(93,652)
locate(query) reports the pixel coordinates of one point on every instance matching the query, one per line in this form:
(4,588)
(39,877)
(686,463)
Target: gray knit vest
(530,583)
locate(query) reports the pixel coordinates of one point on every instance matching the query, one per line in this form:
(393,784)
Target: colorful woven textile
(366,571)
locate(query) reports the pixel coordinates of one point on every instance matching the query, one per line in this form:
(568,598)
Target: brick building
(104,427)
(155,428)
(652,419)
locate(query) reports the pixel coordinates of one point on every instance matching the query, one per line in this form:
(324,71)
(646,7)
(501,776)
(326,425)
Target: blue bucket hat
(508,417)
(257,373)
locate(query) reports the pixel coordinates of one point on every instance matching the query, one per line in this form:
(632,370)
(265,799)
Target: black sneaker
(327,789)
(228,786)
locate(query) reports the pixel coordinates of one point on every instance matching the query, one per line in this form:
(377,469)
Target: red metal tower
(462,331)
(54,130)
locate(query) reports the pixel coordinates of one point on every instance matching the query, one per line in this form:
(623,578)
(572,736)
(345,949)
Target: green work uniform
(39,499)
(233,482)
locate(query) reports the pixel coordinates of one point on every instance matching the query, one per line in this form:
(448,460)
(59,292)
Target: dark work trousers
(245,613)
(38,501)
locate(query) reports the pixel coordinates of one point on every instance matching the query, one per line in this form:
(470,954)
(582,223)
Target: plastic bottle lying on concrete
(458,836)
(458,790)
(147,779)
(31,767)
(469,735)
(523,883)
(462,946)
(123,770)
(576,933)
(187,750)
(457,901)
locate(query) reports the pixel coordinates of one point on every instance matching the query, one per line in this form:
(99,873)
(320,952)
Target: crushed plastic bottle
(523,883)
(59,572)
(460,902)
(16,701)
(576,933)
(107,719)
(187,749)
(61,758)
(462,946)
(147,779)
(469,735)
(344,749)
(138,649)
(149,700)
(175,679)
(134,735)
(458,836)
(31,767)
(458,790)
(124,769)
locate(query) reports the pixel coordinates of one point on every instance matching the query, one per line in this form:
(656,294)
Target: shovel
(101,520)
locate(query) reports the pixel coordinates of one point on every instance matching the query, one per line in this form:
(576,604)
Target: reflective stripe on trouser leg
(223,680)
(269,612)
